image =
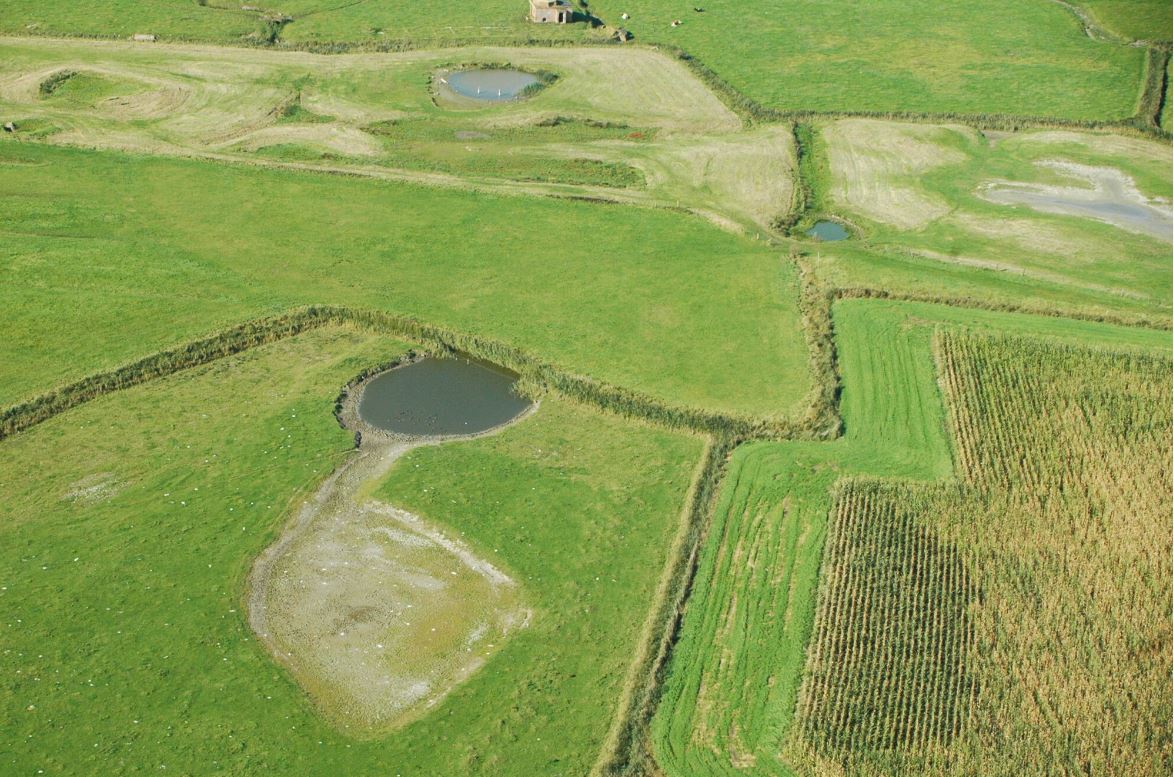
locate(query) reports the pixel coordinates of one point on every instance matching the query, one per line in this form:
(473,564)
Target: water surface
(828,231)
(493,85)
(434,397)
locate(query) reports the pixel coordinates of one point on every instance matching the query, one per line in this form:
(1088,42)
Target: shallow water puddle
(491,85)
(1111,197)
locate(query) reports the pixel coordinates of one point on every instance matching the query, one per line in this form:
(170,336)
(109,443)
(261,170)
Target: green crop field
(808,408)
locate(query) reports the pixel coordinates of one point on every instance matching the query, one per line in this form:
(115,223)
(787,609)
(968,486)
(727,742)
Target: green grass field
(130,523)
(177,248)
(1131,19)
(311,21)
(989,57)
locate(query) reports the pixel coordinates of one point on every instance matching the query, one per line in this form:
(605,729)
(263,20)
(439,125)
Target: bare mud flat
(376,612)
(1111,196)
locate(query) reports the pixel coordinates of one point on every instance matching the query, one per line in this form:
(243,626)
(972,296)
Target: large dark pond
(435,397)
(494,85)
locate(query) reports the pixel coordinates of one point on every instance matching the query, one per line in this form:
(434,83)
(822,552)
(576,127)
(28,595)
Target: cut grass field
(729,702)
(130,523)
(588,134)
(650,300)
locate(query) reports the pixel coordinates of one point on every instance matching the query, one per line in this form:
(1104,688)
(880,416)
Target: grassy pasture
(914,191)
(1130,19)
(729,702)
(311,21)
(129,525)
(987,57)
(102,243)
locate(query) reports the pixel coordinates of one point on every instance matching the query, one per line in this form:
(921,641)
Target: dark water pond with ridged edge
(436,397)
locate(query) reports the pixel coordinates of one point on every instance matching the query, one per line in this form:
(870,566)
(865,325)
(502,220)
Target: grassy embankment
(914,193)
(654,301)
(729,702)
(130,524)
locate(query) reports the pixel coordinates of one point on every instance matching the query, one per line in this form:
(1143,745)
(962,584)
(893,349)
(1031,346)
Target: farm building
(556,11)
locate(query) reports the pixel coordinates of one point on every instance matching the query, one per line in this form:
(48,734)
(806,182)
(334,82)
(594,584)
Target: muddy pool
(436,397)
(491,85)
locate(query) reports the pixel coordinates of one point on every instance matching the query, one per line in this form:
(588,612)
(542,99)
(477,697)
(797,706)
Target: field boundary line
(1134,322)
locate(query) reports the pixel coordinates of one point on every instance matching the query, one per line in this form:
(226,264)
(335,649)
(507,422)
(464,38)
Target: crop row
(888,667)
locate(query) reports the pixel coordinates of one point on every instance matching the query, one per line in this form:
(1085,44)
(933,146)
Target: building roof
(550,4)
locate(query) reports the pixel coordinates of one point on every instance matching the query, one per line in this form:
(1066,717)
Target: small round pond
(827,231)
(441,397)
(491,84)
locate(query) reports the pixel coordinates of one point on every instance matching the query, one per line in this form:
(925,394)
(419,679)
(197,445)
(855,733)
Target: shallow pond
(440,397)
(827,231)
(492,85)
